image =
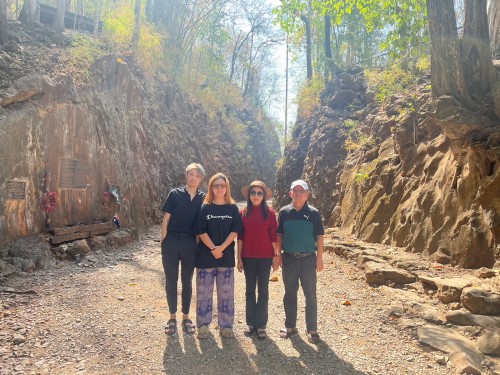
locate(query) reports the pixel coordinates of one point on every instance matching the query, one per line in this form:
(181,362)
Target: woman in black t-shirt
(219,223)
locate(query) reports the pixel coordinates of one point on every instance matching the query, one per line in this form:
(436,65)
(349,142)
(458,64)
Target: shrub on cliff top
(390,81)
(84,51)
(309,96)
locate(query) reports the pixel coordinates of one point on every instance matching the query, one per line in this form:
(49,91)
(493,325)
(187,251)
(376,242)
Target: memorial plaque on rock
(16,190)
(73,173)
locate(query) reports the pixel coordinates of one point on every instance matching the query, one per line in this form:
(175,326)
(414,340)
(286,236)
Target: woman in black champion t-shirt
(219,223)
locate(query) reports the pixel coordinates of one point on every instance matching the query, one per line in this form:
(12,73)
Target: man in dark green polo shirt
(300,239)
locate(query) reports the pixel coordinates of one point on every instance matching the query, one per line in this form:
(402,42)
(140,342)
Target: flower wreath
(49,201)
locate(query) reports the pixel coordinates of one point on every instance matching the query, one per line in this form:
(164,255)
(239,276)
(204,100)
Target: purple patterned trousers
(224,279)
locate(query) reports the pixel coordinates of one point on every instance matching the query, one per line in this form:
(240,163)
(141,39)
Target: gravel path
(107,316)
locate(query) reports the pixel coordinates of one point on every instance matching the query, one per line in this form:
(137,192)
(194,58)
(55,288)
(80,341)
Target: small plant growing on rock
(360,176)
(356,138)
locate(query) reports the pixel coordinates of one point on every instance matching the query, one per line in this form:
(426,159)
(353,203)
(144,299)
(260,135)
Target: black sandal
(312,336)
(249,331)
(286,333)
(188,326)
(171,328)
(261,333)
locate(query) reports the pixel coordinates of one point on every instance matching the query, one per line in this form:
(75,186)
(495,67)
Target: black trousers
(257,271)
(175,248)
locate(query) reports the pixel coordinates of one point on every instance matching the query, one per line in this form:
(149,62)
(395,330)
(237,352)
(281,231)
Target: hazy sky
(277,108)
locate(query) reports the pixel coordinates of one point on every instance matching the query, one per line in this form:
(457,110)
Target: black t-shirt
(183,210)
(217,221)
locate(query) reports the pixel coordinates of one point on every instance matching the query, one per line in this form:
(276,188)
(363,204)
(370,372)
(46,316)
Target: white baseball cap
(300,183)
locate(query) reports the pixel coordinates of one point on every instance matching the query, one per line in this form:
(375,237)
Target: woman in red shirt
(257,254)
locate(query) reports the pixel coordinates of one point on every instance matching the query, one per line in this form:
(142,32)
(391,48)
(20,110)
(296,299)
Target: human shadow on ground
(295,356)
(319,358)
(204,356)
(252,356)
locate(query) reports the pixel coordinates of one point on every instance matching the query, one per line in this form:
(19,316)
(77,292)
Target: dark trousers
(175,248)
(257,271)
(303,270)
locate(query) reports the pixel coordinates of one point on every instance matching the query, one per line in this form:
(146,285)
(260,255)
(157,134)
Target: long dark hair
(263,205)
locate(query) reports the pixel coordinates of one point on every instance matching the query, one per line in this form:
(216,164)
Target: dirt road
(107,316)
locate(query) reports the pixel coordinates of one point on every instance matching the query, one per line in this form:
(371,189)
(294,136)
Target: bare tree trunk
(74,19)
(447,74)
(58,24)
(97,17)
(249,73)
(234,55)
(27,15)
(78,12)
(3,22)
(137,27)
(494,22)
(476,52)
(286,92)
(307,23)
(328,45)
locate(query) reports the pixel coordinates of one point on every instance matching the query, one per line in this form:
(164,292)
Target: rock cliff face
(404,182)
(118,145)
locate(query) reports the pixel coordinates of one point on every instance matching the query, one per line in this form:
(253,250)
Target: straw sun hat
(267,191)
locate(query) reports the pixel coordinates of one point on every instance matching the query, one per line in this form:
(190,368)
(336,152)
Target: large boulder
(6,268)
(27,255)
(480,301)
(78,249)
(463,352)
(465,318)
(380,273)
(489,343)
(449,290)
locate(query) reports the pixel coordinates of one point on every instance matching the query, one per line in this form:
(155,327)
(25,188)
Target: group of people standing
(199,232)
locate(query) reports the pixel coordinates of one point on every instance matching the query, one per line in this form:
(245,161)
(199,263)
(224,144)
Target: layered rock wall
(405,183)
(120,134)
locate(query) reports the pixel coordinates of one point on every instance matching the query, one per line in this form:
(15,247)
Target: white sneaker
(227,332)
(203,332)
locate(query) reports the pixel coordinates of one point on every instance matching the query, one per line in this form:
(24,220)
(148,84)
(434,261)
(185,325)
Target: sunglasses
(219,186)
(296,191)
(256,193)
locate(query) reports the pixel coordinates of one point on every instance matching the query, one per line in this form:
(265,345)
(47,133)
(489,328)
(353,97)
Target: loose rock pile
(452,310)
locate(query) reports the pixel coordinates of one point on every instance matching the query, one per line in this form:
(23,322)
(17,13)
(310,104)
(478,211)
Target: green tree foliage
(362,29)
(405,23)
(367,33)
(119,23)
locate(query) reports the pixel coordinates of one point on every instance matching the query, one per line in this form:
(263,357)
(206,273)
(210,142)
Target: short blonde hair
(196,166)
(210,194)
